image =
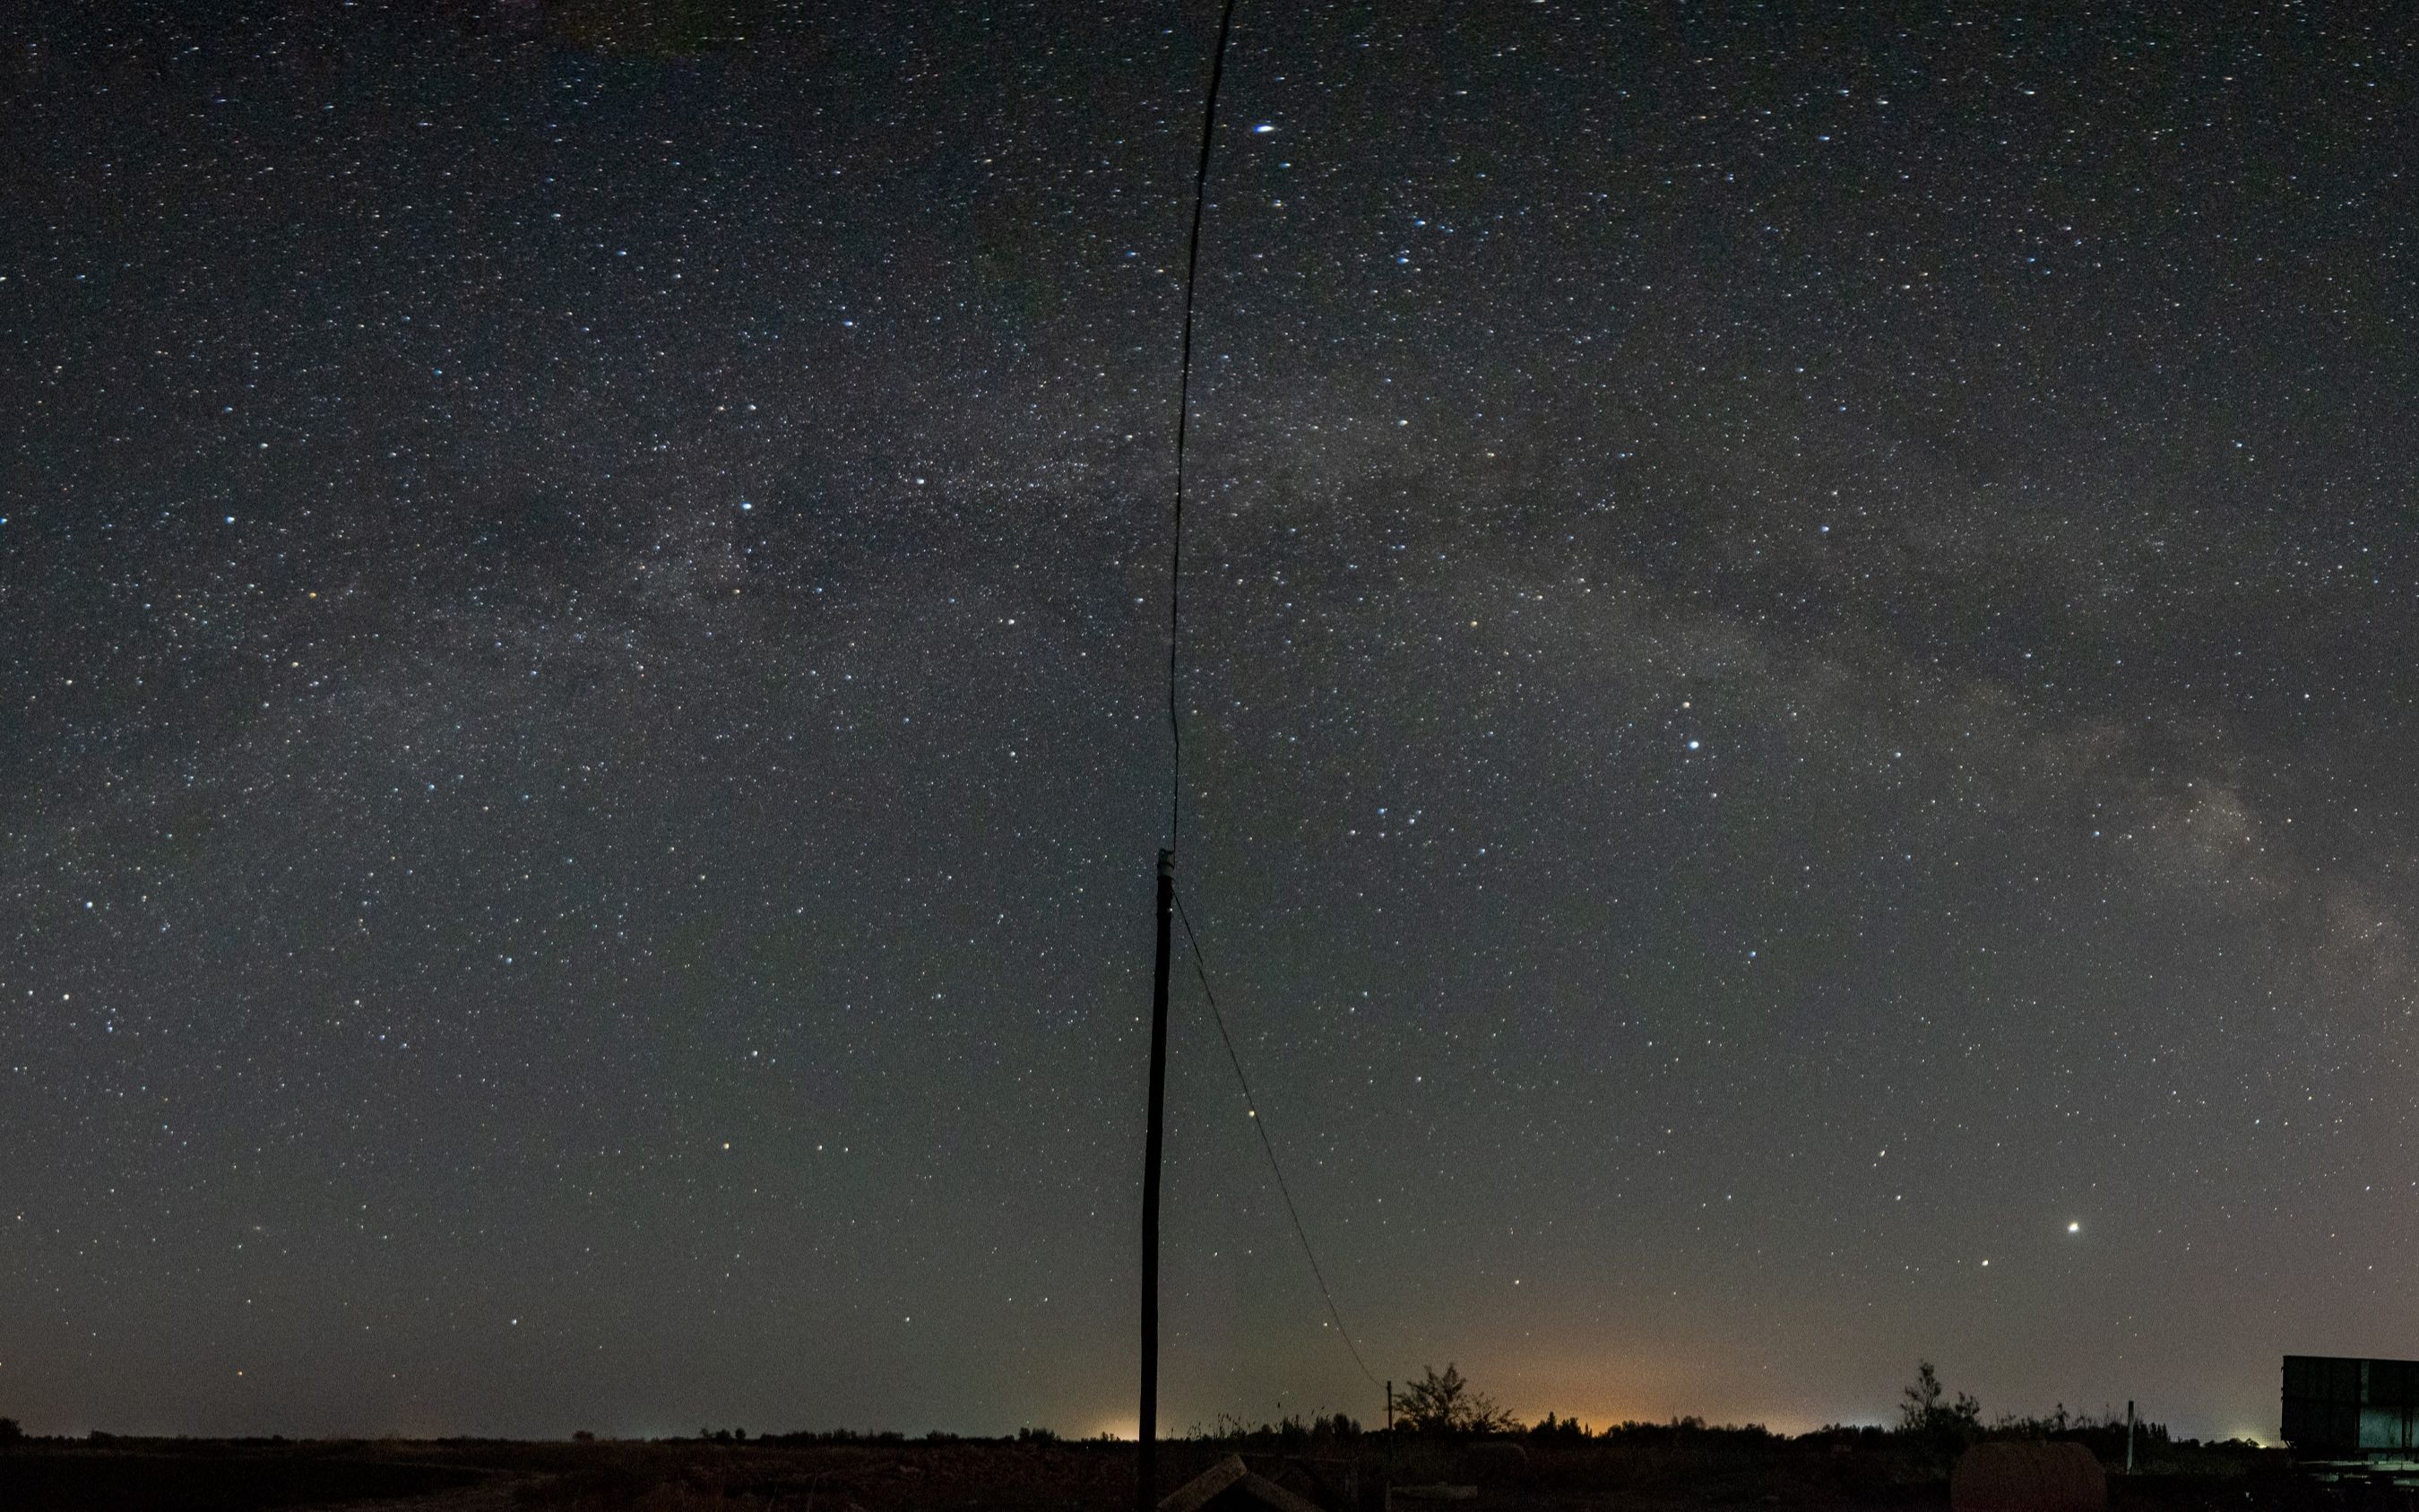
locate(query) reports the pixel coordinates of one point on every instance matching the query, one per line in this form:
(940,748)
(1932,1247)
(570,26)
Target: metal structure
(2345,1409)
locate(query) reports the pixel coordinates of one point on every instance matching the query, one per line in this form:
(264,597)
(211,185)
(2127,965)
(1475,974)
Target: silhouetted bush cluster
(1291,1433)
(1688,1431)
(804,1438)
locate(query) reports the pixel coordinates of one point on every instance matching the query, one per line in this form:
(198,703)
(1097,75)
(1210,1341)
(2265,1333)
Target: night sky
(1798,673)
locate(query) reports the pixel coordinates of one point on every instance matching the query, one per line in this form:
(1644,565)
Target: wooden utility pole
(1147,1428)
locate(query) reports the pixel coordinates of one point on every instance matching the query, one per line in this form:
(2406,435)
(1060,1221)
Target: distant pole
(2129,1435)
(1390,1405)
(1147,1431)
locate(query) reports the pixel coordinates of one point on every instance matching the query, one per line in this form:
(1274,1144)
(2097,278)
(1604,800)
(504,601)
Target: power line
(1201,973)
(1183,417)
(1174,635)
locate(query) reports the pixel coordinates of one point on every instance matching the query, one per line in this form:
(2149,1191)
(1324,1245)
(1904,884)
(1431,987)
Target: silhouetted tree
(10,1432)
(1925,1407)
(1447,1404)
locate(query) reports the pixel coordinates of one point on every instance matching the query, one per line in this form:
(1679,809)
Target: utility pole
(1147,1428)
(2129,1435)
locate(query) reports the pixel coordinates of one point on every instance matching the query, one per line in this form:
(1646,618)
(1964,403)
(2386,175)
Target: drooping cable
(1183,425)
(1175,641)
(1251,1104)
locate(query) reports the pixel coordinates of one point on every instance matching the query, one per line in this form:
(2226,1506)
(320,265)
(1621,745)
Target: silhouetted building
(1229,1485)
(2337,1406)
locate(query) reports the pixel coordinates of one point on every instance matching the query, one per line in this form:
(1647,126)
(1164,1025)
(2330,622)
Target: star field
(1796,684)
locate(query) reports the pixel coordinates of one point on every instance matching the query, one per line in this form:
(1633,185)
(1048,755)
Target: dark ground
(464,1475)
(206,1478)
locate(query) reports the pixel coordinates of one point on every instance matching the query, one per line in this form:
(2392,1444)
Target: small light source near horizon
(2074,1228)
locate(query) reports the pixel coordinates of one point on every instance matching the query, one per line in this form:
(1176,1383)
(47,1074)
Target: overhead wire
(1175,642)
(1252,1104)
(1183,424)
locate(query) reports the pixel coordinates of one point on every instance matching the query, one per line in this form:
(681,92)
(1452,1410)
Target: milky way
(1797,678)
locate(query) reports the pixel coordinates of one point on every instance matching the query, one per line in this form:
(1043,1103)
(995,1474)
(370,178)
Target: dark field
(1709,1469)
(215,1478)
